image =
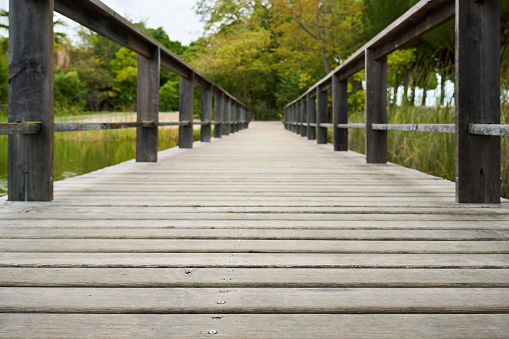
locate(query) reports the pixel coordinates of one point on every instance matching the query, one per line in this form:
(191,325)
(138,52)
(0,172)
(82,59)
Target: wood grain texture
(311,117)
(218,114)
(31,63)
(186,97)
(334,326)
(307,242)
(339,113)
(206,114)
(477,100)
(148,106)
(20,128)
(376,108)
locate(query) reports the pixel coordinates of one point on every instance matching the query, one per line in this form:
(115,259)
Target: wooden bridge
(259,234)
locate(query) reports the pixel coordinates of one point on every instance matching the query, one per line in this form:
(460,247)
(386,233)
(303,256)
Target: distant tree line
(268,52)
(265,52)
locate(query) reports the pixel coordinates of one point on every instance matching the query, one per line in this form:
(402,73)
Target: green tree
(125,80)
(70,92)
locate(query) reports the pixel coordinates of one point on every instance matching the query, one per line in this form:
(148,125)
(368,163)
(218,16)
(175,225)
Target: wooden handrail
(30,176)
(477,127)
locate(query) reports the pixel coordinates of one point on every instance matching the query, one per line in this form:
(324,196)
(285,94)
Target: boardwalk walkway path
(259,234)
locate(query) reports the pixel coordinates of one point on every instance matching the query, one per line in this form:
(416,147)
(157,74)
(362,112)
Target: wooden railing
(477,99)
(31,123)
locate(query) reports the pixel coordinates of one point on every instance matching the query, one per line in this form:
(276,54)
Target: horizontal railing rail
(477,62)
(31,66)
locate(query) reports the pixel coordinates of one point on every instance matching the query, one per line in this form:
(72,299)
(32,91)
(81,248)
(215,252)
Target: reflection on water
(83,152)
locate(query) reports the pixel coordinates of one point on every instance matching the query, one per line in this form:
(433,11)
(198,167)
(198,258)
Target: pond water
(76,153)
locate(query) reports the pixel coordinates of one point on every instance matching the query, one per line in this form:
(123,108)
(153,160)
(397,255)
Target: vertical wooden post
(233,116)
(303,118)
(30,157)
(243,117)
(477,100)
(295,119)
(311,116)
(340,112)
(298,116)
(226,115)
(322,115)
(186,90)
(376,108)
(292,119)
(218,114)
(206,113)
(148,106)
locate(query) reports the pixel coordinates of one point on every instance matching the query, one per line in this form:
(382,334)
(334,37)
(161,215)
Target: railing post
(303,117)
(322,115)
(298,116)
(311,112)
(218,114)
(340,112)
(206,113)
(148,106)
(226,115)
(285,117)
(30,157)
(244,118)
(186,89)
(477,100)
(233,116)
(376,108)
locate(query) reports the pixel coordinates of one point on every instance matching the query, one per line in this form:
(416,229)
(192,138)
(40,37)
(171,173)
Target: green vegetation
(267,53)
(83,152)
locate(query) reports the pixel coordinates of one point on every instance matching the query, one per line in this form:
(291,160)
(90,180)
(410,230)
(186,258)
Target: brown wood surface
(477,66)
(186,103)
(376,108)
(20,128)
(31,63)
(339,113)
(148,106)
(297,240)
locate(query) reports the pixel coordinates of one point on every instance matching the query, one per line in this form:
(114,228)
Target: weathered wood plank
(441,128)
(280,260)
(20,128)
(335,326)
(247,301)
(98,126)
(357,222)
(251,246)
(293,233)
(488,129)
(253,277)
(30,157)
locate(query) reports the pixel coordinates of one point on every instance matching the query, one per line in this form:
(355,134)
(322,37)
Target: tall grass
(428,152)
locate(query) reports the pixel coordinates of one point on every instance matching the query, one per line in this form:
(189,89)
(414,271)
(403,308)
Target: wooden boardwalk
(260,234)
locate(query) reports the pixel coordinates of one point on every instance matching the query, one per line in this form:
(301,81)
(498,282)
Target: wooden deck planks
(330,246)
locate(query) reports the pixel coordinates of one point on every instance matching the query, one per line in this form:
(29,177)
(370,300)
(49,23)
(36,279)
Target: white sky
(177,17)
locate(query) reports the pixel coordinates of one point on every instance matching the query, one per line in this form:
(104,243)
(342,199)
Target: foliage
(70,93)
(267,52)
(125,78)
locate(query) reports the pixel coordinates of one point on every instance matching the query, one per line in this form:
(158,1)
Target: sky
(177,17)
